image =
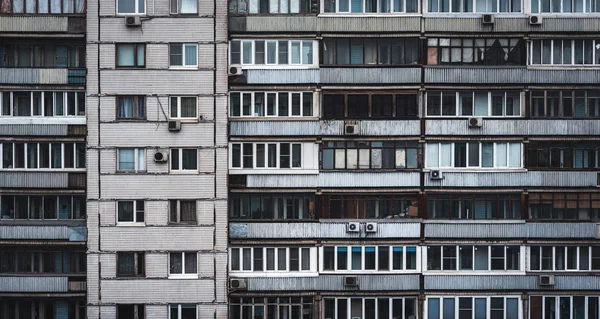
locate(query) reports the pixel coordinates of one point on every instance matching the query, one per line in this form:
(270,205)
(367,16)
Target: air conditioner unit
(174,125)
(350,281)
(353,227)
(238,284)
(235,70)
(475,122)
(351,129)
(546,280)
(371,227)
(487,19)
(535,20)
(161,156)
(436,174)
(133,21)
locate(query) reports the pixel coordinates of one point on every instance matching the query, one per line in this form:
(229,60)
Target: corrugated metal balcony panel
(34,129)
(34,179)
(311,76)
(34,284)
(576,283)
(561,230)
(516,24)
(331,23)
(475,75)
(514,179)
(568,76)
(33,76)
(370,75)
(281,23)
(35,232)
(336,179)
(567,24)
(322,128)
(34,24)
(78,233)
(335,283)
(320,230)
(519,127)
(493,229)
(483,282)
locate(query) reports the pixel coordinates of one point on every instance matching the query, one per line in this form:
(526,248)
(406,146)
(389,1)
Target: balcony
(520,178)
(44,231)
(42,179)
(335,283)
(323,128)
(347,75)
(509,282)
(509,74)
(514,22)
(43,284)
(514,229)
(17,76)
(512,127)
(43,24)
(335,179)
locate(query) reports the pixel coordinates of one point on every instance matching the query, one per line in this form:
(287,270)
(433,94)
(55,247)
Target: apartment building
(413,159)
(43,166)
(157,154)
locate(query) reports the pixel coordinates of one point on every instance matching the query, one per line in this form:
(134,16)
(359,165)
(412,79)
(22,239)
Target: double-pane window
(385,307)
(182,211)
(564,52)
(42,155)
(266,155)
(183,311)
(271,206)
(46,103)
(473,206)
(184,107)
(184,6)
(131,160)
(474,103)
(131,55)
(369,155)
(267,259)
(473,257)
(369,258)
(184,159)
(183,265)
(130,211)
(183,55)
(131,107)
(271,52)
(564,258)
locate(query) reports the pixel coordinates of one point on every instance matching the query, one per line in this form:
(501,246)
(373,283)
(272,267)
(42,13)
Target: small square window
(183,265)
(183,55)
(184,159)
(130,211)
(131,160)
(131,107)
(132,55)
(182,211)
(184,107)
(130,264)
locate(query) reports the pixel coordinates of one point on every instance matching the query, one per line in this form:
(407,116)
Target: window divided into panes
(373,105)
(371,6)
(272,6)
(272,52)
(371,307)
(282,104)
(46,103)
(272,307)
(564,52)
(567,205)
(272,259)
(479,6)
(370,51)
(369,155)
(564,258)
(271,206)
(342,258)
(37,261)
(474,258)
(42,207)
(473,103)
(25,308)
(478,51)
(566,155)
(42,54)
(360,206)
(565,104)
(43,6)
(42,155)
(473,206)
(561,306)
(474,155)
(266,155)
(564,6)
(477,307)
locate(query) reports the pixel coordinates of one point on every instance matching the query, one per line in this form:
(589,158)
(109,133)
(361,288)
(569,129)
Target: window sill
(131,224)
(184,172)
(186,120)
(130,172)
(183,68)
(129,14)
(190,276)
(182,224)
(473,272)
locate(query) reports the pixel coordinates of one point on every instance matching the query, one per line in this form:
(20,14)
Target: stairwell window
(182,211)
(131,160)
(564,52)
(131,264)
(183,107)
(184,6)
(183,265)
(131,107)
(184,159)
(474,155)
(131,6)
(183,311)
(130,211)
(183,55)
(131,55)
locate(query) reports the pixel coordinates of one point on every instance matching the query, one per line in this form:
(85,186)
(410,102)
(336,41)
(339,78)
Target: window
(564,206)
(569,104)
(473,155)
(370,51)
(48,207)
(182,211)
(457,6)
(130,311)
(184,107)
(43,6)
(131,55)
(131,107)
(552,307)
(576,6)
(271,6)
(382,105)
(469,258)
(183,55)
(370,6)
(357,206)
(24,308)
(130,264)
(258,104)
(131,160)
(271,307)
(369,155)
(564,258)
(42,155)
(130,211)
(474,103)
(268,155)
(473,206)
(183,311)
(564,52)
(42,54)
(184,159)
(369,258)
(183,265)
(269,259)
(59,104)
(31,261)
(478,307)
(575,155)
(385,307)
(184,6)
(475,51)
(271,52)
(271,206)
(131,7)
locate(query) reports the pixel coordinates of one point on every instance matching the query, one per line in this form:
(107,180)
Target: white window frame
(276,65)
(180,163)
(275,106)
(554,256)
(139,164)
(363,261)
(391,6)
(486,10)
(278,155)
(183,275)
(179,221)
(137,8)
(586,9)
(474,246)
(557,304)
(495,166)
(178,11)
(179,310)
(458,109)
(473,297)
(183,54)
(376,314)
(135,211)
(62,167)
(312,255)
(43,114)
(530,53)
(178,115)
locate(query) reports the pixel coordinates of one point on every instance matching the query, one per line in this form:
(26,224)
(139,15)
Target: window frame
(533,43)
(553,258)
(473,247)
(139,268)
(254,155)
(502,202)
(436,48)
(179,107)
(79,110)
(363,249)
(36,8)
(458,105)
(349,301)
(183,274)
(237,252)
(136,108)
(412,110)
(278,53)
(346,148)
(56,199)
(136,310)
(488,305)
(240,207)
(135,65)
(266,106)
(556,205)
(136,8)
(136,210)
(408,49)
(178,212)
(183,65)
(480,154)
(180,169)
(179,307)
(178,11)
(78,164)
(587,305)
(139,165)
(474,9)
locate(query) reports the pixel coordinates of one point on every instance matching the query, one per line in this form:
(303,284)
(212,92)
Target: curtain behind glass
(191,57)
(126,107)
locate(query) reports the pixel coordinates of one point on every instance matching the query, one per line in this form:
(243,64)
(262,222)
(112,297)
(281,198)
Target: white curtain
(446,155)
(432,155)
(191,55)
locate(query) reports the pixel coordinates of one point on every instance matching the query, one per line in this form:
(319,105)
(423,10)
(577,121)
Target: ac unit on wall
(487,19)
(350,281)
(535,20)
(546,280)
(351,129)
(353,227)
(371,227)
(475,122)
(174,125)
(161,156)
(133,21)
(238,284)
(235,69)
(436,174)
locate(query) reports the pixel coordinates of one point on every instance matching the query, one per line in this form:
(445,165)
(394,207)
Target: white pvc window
(282,104)
(271,259)
(473,258)
(131,6)
(37,103)
(370,307)
(477,307)
(42,155)
(183,311)
(183,55)
(479,6)
(553,307)
(130,211)
(184,107)
(474,155)
(564,52)
(183,265)
(564,258)
(266,155)
(473,103)
(272,52)
(184,159)
(131,160)
(569,6)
